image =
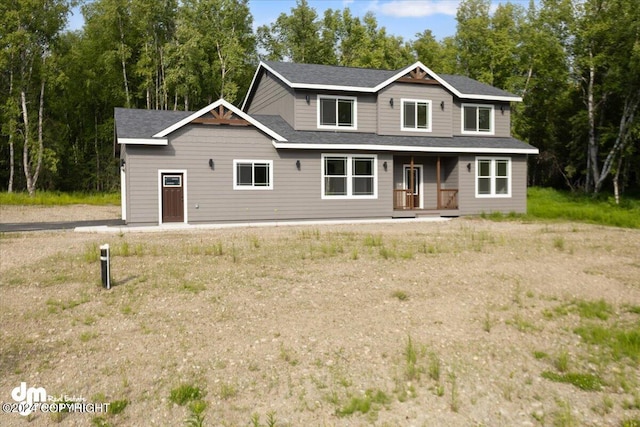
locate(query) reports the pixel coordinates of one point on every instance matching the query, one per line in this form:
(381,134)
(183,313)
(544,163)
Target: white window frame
(349,176)
(336,98)
(492,116)
(236,186)
(492,176)
(415,101)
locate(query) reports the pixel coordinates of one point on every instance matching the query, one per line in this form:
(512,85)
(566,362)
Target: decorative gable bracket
(418,75)
(220,116)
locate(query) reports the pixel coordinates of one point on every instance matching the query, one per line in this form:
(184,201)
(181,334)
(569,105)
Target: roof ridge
(334,66)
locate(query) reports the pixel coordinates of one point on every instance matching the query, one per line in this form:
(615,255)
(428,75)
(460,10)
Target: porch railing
(448,198)
(403,199)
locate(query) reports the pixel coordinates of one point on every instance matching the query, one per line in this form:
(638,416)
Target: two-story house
(326,142)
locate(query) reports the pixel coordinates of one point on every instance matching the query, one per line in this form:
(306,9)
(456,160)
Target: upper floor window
(493,177)
(349,176)
(253,175)
(477,119)
(337,112)
(416,115)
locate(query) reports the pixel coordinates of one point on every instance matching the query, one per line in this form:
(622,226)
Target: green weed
(364,404)
(587,382)
(185,393)
(400,295)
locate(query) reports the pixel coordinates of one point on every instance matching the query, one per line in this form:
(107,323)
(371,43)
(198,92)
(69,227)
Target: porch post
(411,186)
(439,204)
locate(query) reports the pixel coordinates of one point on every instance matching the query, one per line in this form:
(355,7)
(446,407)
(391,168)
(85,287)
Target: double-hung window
(349,176)
(493,177)
(477,119)
(253,175)
(337,112)
(416,115)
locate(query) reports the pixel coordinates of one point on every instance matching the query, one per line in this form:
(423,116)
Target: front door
(413,194)
(172,197)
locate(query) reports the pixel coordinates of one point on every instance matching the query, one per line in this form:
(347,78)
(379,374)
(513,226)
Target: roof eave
(403,148)
(143,141)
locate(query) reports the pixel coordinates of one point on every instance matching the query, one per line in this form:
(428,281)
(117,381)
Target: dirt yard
(462,323)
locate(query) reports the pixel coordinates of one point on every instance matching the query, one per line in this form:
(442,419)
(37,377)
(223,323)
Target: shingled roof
(330,77)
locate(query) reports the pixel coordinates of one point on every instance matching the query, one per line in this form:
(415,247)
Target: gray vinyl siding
(390,118)
(307,114)
(273,97)
(296,193)
(470,204)
(502,119)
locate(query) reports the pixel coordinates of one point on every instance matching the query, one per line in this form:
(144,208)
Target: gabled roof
(151,127)
(350,79)
(321,140)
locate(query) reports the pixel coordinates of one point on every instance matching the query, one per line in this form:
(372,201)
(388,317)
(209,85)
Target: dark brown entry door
(172,197)
(413,194)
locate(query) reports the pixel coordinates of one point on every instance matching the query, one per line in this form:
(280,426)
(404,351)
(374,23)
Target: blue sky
(403,18)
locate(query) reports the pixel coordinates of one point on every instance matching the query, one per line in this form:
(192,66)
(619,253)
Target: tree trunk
(628,114)
(124,63)
(592,150)
(95,146)
(25,149)
(11,132)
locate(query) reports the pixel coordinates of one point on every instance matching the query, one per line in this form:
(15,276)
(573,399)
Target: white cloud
(416,8)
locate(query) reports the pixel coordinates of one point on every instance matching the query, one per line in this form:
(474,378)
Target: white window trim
(252,187)
(429,118)
(350,176)
(492,131)
(335,97)
(185,193)
(492,177)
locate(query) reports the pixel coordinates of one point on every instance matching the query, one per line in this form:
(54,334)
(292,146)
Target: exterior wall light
(442,105)
(391,102)
(298,164)
(211,164)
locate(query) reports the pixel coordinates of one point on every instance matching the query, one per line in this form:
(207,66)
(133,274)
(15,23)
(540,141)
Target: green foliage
(363,404)
(117,406)
(618,340)
(185,393)
(57,198)
(587,382)
(546,203)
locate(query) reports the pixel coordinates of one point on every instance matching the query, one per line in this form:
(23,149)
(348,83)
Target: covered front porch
(425,185)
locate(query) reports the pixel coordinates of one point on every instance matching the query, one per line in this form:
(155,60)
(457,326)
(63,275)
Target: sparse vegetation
(330,336)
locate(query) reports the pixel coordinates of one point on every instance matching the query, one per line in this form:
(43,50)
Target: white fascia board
(374,147)
(388,82)
(253,81)
(212,106)
(143,141)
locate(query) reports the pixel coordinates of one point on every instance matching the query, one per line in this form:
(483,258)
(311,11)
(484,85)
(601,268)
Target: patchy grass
(318,321)
(51,198)
(587,382)
(549,204)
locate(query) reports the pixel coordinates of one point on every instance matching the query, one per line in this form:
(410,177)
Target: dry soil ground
(428,324)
